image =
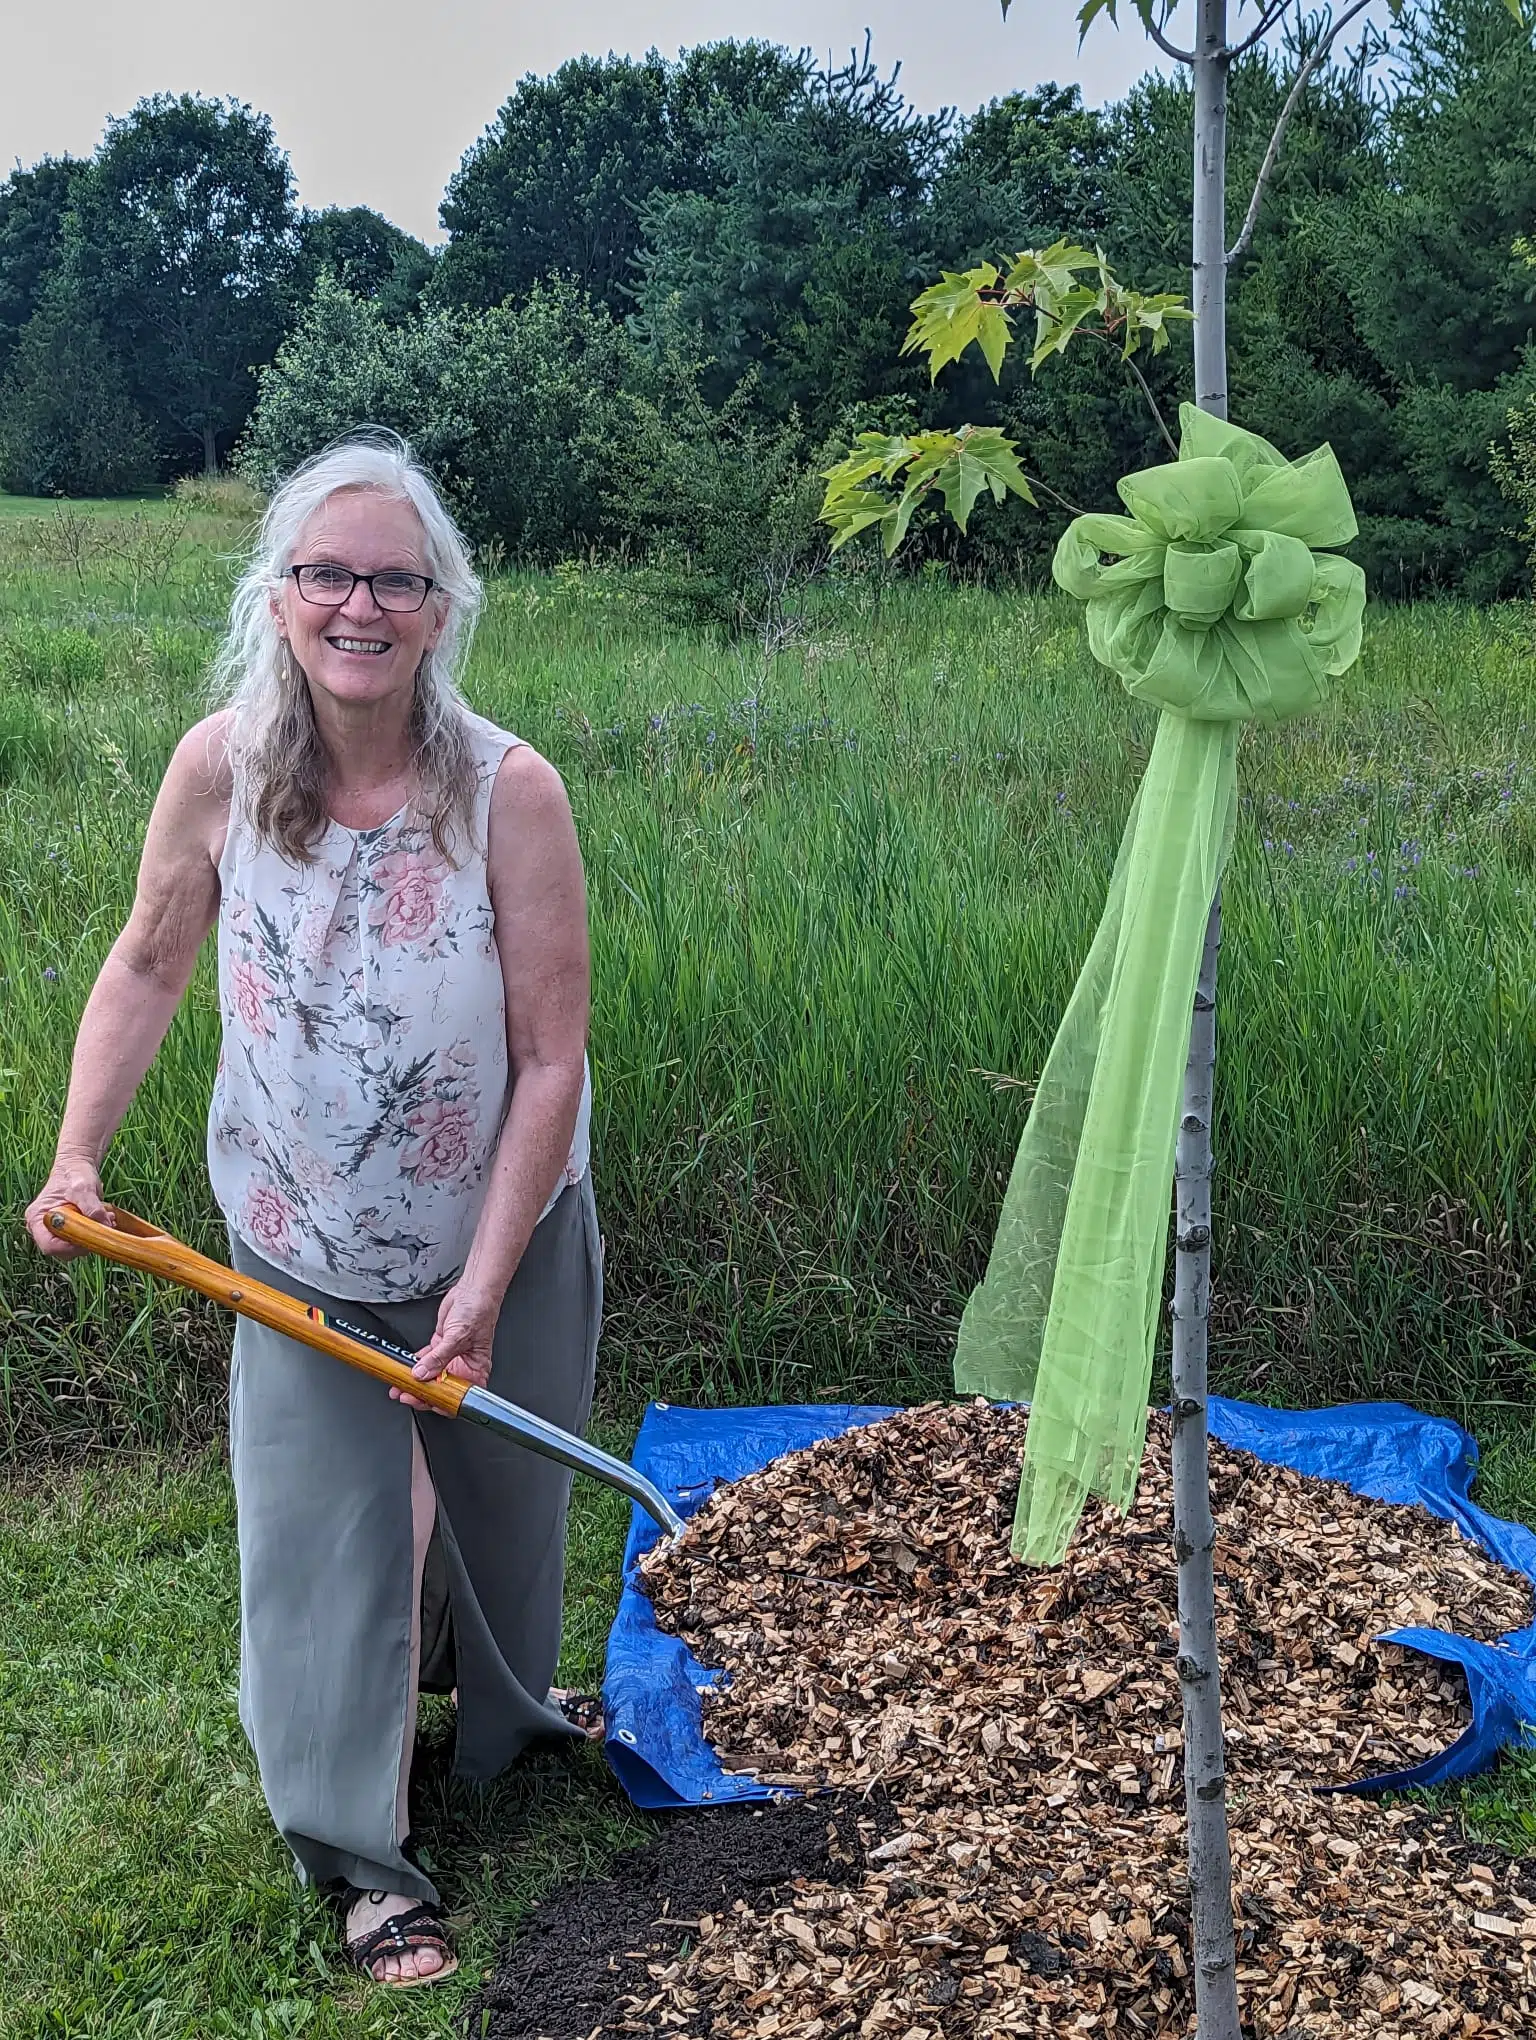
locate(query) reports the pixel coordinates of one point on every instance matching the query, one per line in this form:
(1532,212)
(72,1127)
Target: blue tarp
(653,1684)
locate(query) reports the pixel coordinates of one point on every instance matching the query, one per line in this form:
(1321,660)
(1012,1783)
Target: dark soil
(588,1950)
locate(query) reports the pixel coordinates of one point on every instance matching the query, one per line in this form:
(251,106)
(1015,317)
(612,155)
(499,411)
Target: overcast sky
(376,100)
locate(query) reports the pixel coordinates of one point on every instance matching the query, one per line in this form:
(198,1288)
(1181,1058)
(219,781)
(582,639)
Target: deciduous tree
(1070,290)
(182,241)
(556,183)
(367,254)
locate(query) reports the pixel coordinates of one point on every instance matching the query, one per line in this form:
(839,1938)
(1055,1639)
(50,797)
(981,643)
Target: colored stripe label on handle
(371,1339)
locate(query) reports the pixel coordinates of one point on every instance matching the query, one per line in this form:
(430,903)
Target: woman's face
(354,650)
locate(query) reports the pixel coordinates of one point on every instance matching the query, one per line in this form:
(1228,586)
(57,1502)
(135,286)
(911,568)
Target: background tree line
(671,291)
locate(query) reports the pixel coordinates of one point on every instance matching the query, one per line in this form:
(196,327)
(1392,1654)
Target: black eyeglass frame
(333,567)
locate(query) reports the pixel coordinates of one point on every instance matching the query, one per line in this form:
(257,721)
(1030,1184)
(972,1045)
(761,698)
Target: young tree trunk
(1209,293)
(1194,1531)
(210,452)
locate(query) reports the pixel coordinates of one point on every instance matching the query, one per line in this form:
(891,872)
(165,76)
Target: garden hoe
(137,1245)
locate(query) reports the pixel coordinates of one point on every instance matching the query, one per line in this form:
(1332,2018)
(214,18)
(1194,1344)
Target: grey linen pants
(322,1460)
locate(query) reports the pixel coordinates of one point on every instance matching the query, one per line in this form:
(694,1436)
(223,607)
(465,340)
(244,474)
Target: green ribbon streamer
(1211,599)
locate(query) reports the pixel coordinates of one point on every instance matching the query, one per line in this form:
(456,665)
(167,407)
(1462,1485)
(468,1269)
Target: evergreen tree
(68,426)
(33,204)
(800,262)
(1435,283)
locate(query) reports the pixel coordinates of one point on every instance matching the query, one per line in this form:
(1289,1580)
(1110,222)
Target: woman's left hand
(461,1345)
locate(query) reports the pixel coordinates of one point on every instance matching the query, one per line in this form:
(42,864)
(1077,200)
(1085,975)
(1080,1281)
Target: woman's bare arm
(148,967)
(538,890)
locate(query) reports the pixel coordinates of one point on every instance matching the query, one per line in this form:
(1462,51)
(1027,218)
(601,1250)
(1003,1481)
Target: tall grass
(839,894)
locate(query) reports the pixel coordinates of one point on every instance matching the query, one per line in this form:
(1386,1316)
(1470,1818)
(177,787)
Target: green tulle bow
(1212,599)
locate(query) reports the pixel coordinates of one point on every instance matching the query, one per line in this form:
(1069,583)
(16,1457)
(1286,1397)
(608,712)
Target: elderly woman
(398,1133)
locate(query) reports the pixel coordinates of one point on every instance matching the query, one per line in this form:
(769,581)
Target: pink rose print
(311,1170)
(311,938)
(445,1142)
(254,992)
(409,889)
(268,1218)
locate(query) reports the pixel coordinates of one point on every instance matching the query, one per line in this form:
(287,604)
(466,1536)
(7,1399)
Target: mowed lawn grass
(36,509)
(143,1889)
(840,887)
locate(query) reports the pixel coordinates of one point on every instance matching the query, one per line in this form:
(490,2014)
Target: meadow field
(840,886)
(839,892)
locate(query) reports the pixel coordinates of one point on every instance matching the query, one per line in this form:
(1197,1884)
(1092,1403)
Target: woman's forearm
(534,1146)
(125,1020)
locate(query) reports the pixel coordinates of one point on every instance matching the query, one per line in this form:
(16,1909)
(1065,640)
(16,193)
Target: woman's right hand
(70,1181)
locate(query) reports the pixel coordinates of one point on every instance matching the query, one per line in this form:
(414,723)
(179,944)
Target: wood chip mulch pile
(1025,1723)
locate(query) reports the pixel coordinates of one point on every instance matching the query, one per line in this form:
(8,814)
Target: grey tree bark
(1199,1665)
(1194,1532)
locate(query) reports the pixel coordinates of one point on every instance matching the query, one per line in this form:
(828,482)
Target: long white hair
(274,747)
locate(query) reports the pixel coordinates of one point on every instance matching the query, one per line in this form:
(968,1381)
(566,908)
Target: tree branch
(1056,496)
(1131,363)
(1162,423)
(1277,139)
(1169,49)
(1268,16)
(1129,360)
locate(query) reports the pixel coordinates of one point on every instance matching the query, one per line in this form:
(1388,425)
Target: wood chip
(1027,1725)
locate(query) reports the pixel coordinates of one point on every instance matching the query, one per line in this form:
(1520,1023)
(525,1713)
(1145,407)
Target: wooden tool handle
(137,1245)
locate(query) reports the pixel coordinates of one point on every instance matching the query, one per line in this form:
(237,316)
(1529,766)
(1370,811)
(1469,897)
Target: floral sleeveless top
(362,1081)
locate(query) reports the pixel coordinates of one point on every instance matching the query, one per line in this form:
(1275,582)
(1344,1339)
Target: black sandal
(581,1710)
(401,1934)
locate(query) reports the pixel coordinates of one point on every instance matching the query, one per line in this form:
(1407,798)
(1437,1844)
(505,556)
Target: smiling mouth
(371,647)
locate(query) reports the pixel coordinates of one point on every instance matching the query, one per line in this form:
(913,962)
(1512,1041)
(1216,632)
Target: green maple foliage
(1071,292)
(958,464)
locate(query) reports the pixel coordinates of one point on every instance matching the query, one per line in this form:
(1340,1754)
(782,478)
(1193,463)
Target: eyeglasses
(331,586)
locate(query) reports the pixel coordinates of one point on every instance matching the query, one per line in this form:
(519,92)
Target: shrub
(540,388)
(222,495)
(514,409)
(340,368)
(1514,469)
(721,504)
(46,659)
